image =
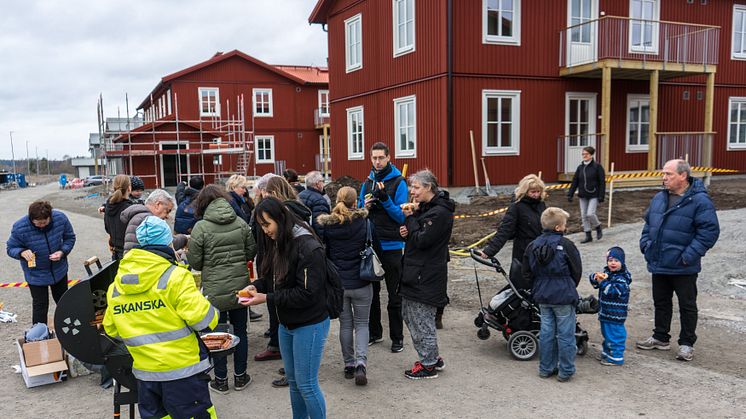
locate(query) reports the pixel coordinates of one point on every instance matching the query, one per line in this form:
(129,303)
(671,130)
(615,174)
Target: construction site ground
(481,379)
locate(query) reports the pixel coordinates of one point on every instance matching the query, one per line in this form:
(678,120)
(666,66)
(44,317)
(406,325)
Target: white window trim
(350,154)
(514,40)
(398,152)
(734,55)
(271,139)
(653,50)
(515,148)
(395,28)
(168,98)
(628,148)
(271,102)
(357,66)
(217,101)
(729,146)
(328,104)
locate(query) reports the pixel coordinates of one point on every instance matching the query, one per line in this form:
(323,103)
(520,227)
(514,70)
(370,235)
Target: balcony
(321,118)
(635,47)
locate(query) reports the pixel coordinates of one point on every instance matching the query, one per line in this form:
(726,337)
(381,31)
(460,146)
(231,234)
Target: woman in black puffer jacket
(344,234)
(117,202)
(590,182)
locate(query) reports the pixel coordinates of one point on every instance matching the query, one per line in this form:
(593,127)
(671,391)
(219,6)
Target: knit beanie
(154,231)
(617,253)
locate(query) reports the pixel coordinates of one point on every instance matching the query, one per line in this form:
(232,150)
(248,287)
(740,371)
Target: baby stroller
(512,312)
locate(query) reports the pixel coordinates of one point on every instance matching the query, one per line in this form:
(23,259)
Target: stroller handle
(491,262)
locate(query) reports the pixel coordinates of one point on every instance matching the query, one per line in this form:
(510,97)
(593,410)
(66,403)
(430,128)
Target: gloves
(381,195)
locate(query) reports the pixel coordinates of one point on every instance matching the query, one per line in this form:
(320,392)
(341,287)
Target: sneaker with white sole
(686,353)
(242,381)
(220,385)
(653,343)
(440,365)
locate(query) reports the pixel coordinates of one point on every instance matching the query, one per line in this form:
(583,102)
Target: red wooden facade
(233,76)
(529,67)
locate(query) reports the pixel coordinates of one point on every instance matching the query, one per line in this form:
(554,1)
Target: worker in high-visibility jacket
(155,308)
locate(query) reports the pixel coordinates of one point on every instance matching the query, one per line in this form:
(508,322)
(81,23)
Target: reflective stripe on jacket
(155,308)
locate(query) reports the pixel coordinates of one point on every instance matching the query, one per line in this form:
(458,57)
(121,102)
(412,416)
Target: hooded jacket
(220,246)
(114,224)
(613,294)
(386,215)
(344,242)
(589,181)
(675,239)
(57,235)
(316,202)
(133,216)
(553,267)
(185,218)
(521,223)
(425,264)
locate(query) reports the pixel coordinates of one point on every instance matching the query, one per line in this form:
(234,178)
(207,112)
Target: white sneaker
(686,353)
(653,343)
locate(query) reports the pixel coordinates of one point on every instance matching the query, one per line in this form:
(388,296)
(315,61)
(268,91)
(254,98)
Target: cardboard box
(42,352)
(42,374)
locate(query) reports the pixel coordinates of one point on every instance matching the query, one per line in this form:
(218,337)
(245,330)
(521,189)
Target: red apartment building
(536,80)
(230,114)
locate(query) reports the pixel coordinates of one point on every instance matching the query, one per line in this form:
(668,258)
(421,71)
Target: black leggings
(40,299)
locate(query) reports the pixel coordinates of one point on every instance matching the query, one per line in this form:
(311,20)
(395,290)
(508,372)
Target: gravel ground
(481,379)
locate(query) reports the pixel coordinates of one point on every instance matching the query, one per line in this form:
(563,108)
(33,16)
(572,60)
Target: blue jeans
(238,318)
(615,337)
(557,347)
(302,349)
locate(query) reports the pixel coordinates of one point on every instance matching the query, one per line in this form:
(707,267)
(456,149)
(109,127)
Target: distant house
(535,81)
(230,114)
(85,166)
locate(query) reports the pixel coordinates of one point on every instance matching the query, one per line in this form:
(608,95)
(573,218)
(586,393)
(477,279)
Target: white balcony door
(582,32)
(643,26)
(580,126)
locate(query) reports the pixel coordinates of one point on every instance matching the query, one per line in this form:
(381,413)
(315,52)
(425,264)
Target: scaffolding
(227,141)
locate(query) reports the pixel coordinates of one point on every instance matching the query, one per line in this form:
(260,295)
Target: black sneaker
(419,372)
(397,346)
(219,386)
(280,382)
(281,371)
(374,340)
(349,373)
(361,378)
(440,365)
(242,381)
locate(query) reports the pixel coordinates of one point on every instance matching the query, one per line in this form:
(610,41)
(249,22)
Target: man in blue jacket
(382,194)
(314,198)
(680,227)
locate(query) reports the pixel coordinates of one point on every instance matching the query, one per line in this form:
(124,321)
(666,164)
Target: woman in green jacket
(220,246)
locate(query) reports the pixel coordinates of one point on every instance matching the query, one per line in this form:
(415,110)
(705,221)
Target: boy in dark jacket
(613,295)
(552,264)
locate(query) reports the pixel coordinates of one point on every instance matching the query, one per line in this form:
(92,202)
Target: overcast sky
(57,56)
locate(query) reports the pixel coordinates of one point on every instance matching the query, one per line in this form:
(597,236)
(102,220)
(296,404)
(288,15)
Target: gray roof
(118,125)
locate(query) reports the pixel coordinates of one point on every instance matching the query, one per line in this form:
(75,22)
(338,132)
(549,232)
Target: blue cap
(154,231)
(617,253)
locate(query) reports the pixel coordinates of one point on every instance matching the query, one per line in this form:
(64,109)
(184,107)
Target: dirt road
(481,380)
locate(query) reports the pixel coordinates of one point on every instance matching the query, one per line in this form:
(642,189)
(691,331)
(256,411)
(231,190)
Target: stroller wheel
(483,333)
(582,348)
(479,320)
(523,345)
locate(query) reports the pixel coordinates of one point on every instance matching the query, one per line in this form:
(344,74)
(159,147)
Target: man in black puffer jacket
(313,197)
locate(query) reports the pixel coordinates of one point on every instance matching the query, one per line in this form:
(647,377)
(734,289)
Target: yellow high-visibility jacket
(154,307)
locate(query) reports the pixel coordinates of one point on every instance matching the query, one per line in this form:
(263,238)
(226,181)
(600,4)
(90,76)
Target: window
(581,13)
(643,30)
(737,123)
(168,99)
(501,21)
(265,149)
(324,102)
(262,102)
(501,122)
(209,101)
(403,26)
(354,43)
(738,49)
(638,122)
(355,137)
(405,126)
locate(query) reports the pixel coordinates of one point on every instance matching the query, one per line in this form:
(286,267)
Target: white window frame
(741,8)
(352,155)
(217,101)
(398,151)
(515,139)
(321,103)
(262,90)
(168,100)
(356,23)
(514,39)
(636,148)
(741,100)
(397,22)
(655,35)
(260,138)
(321,149)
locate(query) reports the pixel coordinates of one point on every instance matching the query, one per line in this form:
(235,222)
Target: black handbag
(371,268)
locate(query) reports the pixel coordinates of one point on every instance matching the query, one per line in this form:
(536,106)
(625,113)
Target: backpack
(334,290)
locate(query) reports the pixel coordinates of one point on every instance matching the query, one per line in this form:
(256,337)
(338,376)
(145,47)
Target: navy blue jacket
(185,218)
(344,242)
(315,201)
(552,264)
(674,240)
(57,235)
(613,294)
(239,206)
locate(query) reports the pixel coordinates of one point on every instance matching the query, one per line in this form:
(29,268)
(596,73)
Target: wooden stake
(474,161)
(611,194)
(539,175)
(486,177)
(404,170)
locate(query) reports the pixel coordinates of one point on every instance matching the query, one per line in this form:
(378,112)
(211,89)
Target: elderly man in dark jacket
(313,197)
(681,225)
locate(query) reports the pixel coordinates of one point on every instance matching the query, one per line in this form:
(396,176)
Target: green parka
(220,246)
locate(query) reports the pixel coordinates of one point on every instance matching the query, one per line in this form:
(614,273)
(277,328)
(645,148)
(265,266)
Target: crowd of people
(292,235)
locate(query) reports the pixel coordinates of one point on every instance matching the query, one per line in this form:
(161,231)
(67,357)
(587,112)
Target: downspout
(449,94)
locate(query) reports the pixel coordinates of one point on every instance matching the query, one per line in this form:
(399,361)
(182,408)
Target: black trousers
(685,287)
(40,299)
(391,261)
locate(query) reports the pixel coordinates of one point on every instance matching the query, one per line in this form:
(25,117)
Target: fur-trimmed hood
(330,219)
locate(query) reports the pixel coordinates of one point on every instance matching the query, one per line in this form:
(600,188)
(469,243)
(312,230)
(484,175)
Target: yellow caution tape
(485,214)
(25,284)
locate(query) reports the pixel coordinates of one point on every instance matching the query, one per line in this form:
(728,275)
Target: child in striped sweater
(613,295)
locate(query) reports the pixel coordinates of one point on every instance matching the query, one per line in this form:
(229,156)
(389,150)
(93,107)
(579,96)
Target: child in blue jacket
(613,295)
